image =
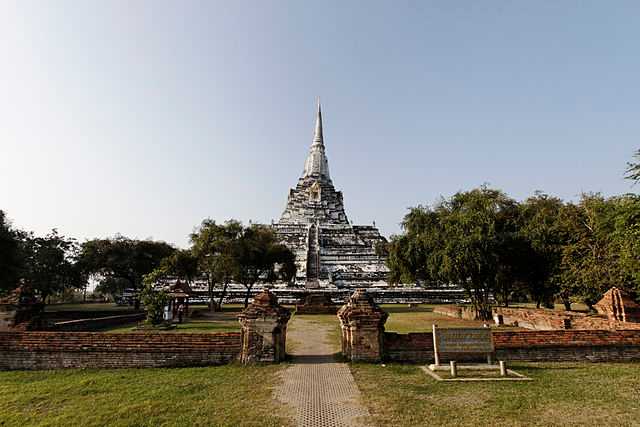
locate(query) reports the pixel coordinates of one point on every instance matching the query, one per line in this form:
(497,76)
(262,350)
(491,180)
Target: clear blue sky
(143,118)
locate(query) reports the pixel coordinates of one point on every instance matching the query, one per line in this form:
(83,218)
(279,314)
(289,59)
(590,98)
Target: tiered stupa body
(330,252)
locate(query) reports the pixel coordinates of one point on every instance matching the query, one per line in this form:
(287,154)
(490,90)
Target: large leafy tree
(590,261)
(215,246)
(470,239)
(626,241)
(11,256)
(414,257)
(51,264)
(475,227)
(120,263)
(182,265)
(260,257)
(542,228)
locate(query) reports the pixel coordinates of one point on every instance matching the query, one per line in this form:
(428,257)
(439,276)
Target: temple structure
(330,252)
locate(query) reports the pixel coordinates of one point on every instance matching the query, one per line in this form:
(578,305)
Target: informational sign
(463,340)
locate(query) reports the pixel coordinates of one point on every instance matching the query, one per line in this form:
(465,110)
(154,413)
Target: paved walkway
(320,391)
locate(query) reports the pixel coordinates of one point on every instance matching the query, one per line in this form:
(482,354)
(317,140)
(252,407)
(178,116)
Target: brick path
(320,391)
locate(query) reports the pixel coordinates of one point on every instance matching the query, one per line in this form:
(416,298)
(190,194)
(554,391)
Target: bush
(154,302)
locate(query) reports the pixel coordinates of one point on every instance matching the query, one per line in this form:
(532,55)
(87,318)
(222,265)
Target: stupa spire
(317,134)
(317,164)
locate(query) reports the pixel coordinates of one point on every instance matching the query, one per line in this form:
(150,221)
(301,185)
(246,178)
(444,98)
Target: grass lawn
(227,395)
(191,326)
(561,394)
(201,321)
(403,319)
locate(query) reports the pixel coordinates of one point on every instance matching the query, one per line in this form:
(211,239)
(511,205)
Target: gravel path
(320,391)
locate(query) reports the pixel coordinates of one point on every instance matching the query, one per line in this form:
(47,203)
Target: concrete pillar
(503,368)
(362,324)
(264,330)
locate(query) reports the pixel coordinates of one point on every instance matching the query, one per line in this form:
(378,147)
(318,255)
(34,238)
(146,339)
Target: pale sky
(143,118)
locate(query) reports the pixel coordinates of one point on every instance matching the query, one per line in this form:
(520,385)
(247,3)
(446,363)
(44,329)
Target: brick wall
(458,311)
(545,319)
(448,310)
(535,318)
(55,350)
(562,345)
(412,347)
(568,345)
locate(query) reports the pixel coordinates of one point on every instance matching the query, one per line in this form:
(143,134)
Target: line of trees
(54,264)
(232,253)
(542,249)
(222,253)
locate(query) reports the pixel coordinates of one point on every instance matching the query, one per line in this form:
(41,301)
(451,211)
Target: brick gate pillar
(264,329)
(362,323)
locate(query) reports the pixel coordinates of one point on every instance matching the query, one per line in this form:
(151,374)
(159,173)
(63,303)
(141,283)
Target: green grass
(192,326)
(403,319)
(227,395)
(561,394)
(201,321)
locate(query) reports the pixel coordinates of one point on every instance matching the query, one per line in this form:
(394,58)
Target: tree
(542,228)
(626,241)
(215,246)
(475,226)
(590,261)
(515,258)
(120,262)
(260,257)
(181,265)
(51,264)
(414,256)
(471,239)
(633,168)
(11,257)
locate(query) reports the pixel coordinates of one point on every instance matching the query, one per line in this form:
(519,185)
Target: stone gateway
(330,252)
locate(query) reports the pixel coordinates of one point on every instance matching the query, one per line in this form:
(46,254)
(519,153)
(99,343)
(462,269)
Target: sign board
(463,340)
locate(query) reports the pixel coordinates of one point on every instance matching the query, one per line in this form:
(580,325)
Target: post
(264,329)
(435,346)
(503,368)
(489,359)
(454,369)
(362,322)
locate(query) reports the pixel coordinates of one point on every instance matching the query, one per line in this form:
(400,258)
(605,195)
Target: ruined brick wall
(457,311)
(412,347)
(545,319)
(570,345)
(55,350)
(540,346)
(448,310)
(535,318)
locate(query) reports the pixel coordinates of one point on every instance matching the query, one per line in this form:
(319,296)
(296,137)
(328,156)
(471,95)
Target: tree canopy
(51,264)
(11,257)
(120,263)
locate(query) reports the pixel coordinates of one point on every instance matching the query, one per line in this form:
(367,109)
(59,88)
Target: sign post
(435,345)
(462,341)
